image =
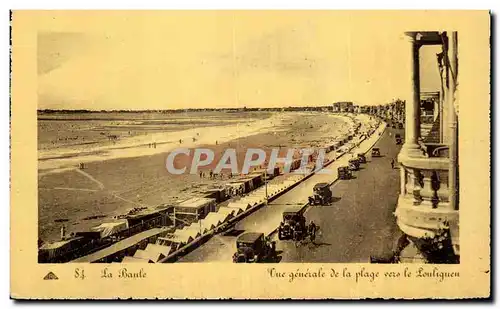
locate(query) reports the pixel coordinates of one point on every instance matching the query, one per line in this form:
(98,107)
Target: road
(220,248)
(360,222)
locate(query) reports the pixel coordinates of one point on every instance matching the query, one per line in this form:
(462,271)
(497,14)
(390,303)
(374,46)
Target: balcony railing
(426,181)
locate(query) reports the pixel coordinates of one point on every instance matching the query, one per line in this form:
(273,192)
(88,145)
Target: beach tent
(206,225)
(226,210)
(196,229)
(251,200)
(218,217)
(242,206)
(210,223)
(174,240)
(111,228)
(167,242)
(181,238)
(190,232)
(165,250)
(153,256)
(235,210)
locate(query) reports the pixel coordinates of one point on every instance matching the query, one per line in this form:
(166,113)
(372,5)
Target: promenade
(221,247)
(360,223)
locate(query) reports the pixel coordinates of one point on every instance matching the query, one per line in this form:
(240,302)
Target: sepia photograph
(311,138)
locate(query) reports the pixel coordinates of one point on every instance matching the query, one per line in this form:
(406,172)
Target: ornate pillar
(412,125)
(452,114)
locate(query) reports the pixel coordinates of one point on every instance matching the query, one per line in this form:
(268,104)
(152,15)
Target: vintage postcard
(250,154)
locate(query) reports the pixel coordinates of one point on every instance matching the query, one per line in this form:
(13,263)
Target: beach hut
(149,218)
(245,183)
(257,178)
(235,188)
(111,228)
(194,209)
(219,194)
(54,252)
(258,173)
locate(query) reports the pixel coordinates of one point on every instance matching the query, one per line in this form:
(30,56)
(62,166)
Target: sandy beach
(135,137)
(133,174)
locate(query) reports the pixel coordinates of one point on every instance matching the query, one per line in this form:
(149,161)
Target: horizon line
(200,108)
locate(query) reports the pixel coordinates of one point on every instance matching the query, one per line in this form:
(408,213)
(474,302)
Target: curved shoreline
(54,161)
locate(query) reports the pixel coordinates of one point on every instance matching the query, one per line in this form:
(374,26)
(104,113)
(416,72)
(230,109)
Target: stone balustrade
(424,209)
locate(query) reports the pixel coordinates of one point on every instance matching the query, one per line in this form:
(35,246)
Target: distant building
(343,107)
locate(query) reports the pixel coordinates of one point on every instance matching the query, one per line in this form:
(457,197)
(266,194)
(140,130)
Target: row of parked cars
(345,172)
(255,247)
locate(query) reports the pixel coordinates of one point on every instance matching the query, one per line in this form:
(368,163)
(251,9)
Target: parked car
(361,158)
(254,248)
(344,172)
(293,225)
(376,152)
(322,195)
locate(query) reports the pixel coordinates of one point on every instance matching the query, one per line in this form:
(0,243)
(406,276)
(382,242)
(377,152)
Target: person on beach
(201,174)
(312,231)
(180,141)
(392,163)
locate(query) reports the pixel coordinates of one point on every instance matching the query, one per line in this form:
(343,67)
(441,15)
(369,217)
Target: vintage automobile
(398,139)
(254,248)
(361,158)
(322,195)
(400,126)
(293,226)
(344,172)
(354,164)
(376,152)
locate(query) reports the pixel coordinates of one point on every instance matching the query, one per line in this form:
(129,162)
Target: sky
(196,59)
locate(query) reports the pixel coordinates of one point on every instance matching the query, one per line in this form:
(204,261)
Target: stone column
(412,126)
